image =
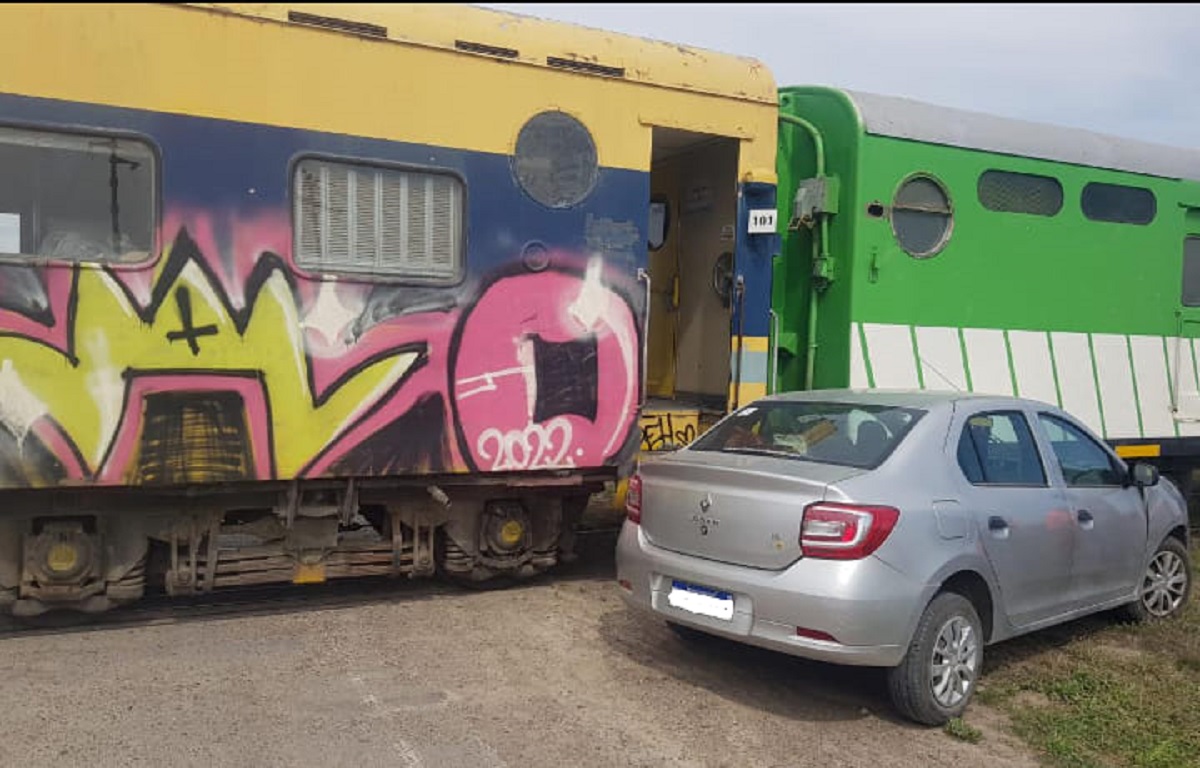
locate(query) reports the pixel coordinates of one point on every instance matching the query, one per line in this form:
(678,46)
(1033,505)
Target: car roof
(901,398)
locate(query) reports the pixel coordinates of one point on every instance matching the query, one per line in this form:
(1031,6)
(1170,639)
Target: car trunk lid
(734,508)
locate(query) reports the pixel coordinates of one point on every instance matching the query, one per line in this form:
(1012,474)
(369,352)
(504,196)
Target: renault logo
(706,523)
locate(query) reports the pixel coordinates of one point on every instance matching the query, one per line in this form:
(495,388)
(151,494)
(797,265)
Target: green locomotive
(932,248)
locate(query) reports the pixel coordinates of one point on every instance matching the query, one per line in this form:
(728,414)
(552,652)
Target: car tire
(1165,586)
(935,681)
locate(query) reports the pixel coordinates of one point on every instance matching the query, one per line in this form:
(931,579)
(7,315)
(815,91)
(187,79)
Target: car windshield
(852,434)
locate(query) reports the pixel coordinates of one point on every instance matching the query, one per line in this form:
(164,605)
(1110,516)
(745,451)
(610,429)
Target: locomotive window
(1010,192)
(1115,203)
(377,220)
(555,161)
(1191,272)
(75,197)
(922,216)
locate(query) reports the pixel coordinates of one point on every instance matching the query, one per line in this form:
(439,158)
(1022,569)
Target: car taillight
(845,531)
(633,499)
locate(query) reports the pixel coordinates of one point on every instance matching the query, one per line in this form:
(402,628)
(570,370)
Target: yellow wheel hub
(511,533)
(62,557)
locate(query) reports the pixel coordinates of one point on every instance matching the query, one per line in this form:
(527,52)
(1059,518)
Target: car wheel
(1165,584)
(934,682)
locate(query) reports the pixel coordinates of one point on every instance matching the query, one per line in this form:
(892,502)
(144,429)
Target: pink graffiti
(494,388)
(538,446)
(232,244)
(478,358)
(432,331)
(495,384)
(57,283)
(60,446)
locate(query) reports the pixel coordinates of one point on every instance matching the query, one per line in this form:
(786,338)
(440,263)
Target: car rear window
(852,434)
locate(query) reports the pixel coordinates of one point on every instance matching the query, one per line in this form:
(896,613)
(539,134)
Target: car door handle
(1085,519)
(998,527)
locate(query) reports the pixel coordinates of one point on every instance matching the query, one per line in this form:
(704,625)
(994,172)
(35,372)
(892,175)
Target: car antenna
(942,376)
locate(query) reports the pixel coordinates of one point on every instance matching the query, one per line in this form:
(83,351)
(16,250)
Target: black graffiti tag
(660,432)
(189,332)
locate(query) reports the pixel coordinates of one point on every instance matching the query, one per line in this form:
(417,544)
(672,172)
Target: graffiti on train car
(666,430)
(223,362)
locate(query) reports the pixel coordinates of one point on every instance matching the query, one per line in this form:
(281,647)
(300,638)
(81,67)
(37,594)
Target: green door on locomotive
(932,248)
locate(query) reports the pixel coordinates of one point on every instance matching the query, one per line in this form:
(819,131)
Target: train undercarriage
(94,550)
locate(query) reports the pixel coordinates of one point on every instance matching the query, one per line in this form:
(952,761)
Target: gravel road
(551,673)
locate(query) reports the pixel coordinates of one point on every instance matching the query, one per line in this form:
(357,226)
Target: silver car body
(730,523)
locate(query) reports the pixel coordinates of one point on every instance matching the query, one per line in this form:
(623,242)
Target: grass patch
(962,731)
(1100,693)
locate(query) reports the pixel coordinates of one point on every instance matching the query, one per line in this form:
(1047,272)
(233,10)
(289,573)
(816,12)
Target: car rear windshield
(852,434)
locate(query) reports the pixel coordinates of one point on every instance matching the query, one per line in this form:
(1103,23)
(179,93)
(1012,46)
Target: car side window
(998,449)
(1083,461)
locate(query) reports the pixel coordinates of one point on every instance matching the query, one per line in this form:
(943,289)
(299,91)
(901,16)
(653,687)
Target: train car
(933,248)
(294,293)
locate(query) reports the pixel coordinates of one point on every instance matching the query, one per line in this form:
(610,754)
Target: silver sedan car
(899,529)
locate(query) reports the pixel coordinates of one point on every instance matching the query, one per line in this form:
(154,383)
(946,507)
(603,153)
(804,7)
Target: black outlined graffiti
(189,332)
(667,431)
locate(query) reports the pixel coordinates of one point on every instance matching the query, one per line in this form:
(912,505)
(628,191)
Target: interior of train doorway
(693,305)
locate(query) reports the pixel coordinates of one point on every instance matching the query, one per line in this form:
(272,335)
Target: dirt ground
(552,673)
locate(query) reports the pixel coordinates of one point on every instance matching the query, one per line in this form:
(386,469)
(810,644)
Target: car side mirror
(1143,475)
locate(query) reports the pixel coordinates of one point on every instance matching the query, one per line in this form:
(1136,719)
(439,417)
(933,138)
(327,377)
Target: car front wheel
(1165,585)
(934,682)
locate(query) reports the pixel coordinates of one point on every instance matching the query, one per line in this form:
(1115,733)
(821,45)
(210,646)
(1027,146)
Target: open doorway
(693,211)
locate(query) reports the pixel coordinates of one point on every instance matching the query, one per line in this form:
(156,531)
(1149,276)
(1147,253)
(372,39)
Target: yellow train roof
(531,41)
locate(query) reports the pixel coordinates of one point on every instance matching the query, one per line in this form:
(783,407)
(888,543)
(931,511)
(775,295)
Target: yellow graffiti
(88,400)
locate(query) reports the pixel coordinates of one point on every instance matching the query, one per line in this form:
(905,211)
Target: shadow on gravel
(783,685)
(793,687)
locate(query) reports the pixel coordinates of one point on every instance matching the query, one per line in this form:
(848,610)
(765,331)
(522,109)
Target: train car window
(922,216)
(555,161)
(1191,272)
(1118,204)
(76,197)
(1008,192)
(375,220)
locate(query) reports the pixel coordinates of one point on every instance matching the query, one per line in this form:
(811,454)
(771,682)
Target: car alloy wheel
(954,663)
(936,678)
(1164,587)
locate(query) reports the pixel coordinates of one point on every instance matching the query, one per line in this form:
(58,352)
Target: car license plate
(701,600)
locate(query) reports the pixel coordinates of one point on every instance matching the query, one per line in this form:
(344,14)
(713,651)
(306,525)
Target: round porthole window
(921,216)
(555,161)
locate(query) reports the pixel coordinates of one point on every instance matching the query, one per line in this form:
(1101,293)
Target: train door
(694,292)
(1183,352)
(1179,462)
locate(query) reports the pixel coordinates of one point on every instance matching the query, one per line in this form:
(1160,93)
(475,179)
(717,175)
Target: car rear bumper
(866,605)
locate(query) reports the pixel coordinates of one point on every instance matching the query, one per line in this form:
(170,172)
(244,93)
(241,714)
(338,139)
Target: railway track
(594,548)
